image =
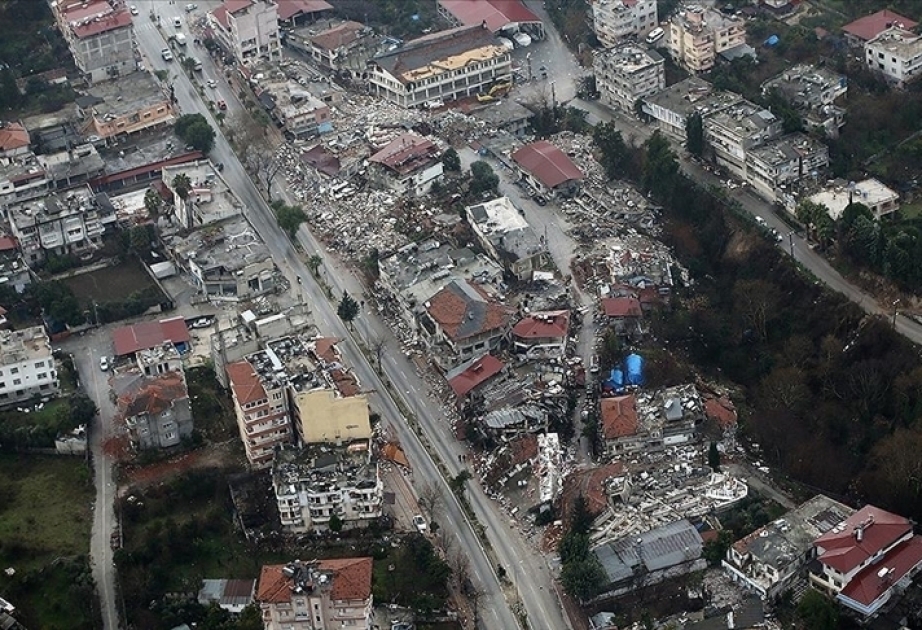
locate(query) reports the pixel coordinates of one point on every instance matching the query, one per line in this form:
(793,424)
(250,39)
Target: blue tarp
(633,367)
(616,380)
(772,41)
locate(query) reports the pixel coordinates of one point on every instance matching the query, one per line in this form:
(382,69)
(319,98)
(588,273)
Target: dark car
(540,200)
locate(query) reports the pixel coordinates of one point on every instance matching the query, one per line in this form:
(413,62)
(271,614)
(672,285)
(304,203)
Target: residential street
(542,606)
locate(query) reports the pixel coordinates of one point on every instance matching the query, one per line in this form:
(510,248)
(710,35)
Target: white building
(627,73)
(100,36)
(444,66)
(697,34)
(779,163)
(27,366)
(507,237)
(615,20)
(322,483)
(881,200)
(813,91)
(248,28)
(897,54)
(733,131)
(670,107)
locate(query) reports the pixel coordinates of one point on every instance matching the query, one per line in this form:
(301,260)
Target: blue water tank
(633,365)
(772,41)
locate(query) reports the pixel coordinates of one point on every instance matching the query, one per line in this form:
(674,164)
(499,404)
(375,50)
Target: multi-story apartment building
(779,163)
(465,319)
(156,408)
(697,34)
(27,366)
(670,108)
(63,223)
(100,35)
(322,483)
(408,165)
(261,406)
(124,106)
(627,73)
(248,28)
(343,47)
(506,236)
(446,66)
(733,131)
(613,21)
(897,54)
(813,91)
(318,595)
(302,114)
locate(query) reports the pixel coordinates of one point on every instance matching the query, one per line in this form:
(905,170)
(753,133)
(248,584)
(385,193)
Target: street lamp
(895,304)
(791,241)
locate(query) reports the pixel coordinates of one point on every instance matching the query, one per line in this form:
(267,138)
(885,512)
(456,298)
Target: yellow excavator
(497,91)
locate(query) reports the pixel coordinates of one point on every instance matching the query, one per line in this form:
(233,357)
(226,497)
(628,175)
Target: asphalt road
(542,606)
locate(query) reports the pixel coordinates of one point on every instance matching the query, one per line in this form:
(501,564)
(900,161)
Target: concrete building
(501,17)
(866,28)
(470,376)
(505,115)
(72,167)
(547,169)
(27,366)
(613,21)
(505,234)
(317,595)
(881,200)
(650,420)
(100,36)
(210,200)
(230,595)
(295,12)
(337,47)
(445,66)
(463,318)
(408,165)
(261,407)
(813,91)
(226,260)
(22,179)
(732,132)
(897,54)
(143,336)
(542,334)
(317,484)
(247,28)
(670,107)
(697,34)
(124,106)
(627,73)
(293,106)
(155,408)
(14,140)
(770,560)
(866,560)
(63,223)
(781,163)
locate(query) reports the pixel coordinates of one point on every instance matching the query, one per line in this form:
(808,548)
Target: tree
(483,179)
(290,218)
(59,302)
(584,579)
(613,153)
(153,202)
(459,482)
(182,185)
(660,170)
(336,524)
(714,457)
(610,353)
(450,160)
(429,498)
(194,130)
(313,263)
(817,612)
(348,308)
(694,134)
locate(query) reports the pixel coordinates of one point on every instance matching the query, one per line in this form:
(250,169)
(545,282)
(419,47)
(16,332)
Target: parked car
(191,7)
(134,10)
(212,83)
(420,523)
(222,105)
(104,363)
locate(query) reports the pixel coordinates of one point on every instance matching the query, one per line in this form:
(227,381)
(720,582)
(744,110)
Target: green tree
(313,263)
(336,524)
(182,185)
(290,218)
(348,308)
(580,516)
(59,302)
(195,131)
(817,612)
(613,152)
(10,96)
(714,457)
(584,579)
(610,353)
(483,179)
(450,160)
(694,134)
(153,202)
(660,170)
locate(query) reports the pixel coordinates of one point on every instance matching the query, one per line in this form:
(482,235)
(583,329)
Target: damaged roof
(619,417)
(468,376)
(463,311)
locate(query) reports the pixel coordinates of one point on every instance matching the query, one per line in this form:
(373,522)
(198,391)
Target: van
(655,35)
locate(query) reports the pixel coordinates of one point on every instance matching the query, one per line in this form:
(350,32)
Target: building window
(17,381)
(42,376)
(39,364)
(14,371)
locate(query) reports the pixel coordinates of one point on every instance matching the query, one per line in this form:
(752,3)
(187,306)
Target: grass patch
(413,575)
(211,405)
(45,521)
(911,210)
(39,427)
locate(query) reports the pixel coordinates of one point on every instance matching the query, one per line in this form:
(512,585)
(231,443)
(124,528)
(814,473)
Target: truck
(181,39)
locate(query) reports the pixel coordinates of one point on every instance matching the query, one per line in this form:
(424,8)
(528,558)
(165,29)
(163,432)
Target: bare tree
(460,568)
(259,155)
(378,346)
(429,498)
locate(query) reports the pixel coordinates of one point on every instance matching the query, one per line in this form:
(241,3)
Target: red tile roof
(245,383)
(288,9)
(622,307)
(119,19)
(870,26)
(340,35)
(406,153)
(496,13)
(155,394)
(325,348)
(547,163)
(13,136)
(546,325)
(721,410)
(351,581)
(463,311)
(477,373)
(840,548)
(145,335)
(619,417)
(8,243)
(220,16)
(868,585)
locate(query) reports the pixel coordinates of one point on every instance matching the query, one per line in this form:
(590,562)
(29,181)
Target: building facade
(733,131)
(100,36)
(505,234)
(781,163)
(124,106)
(261,408)
(157,410)
(443,66)
(248,28)
(813,91)
(408,165)
(697,34)
(627,73)
(613,21)
(670,108)
(897,54)
(27,367)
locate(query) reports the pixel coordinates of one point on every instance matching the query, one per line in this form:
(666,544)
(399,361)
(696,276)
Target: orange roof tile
(463,311)
(619,417)
(351,580)
(546,325)
(245,383)
(622,307)
(13,136)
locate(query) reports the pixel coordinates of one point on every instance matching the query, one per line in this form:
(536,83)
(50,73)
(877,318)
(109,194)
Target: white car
(104,364)
(420,523)
(212,83)
(134,10)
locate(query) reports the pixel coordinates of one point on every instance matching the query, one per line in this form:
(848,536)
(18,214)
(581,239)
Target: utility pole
(791,241)
(895,304)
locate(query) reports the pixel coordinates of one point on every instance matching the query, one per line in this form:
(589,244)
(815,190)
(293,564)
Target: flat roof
(807,85)
(693,95)
(127,94)
(19,345)
(898,41)
(870,192)
(787,148)
(744,117)
(232,244)
(214,200)
(627,58)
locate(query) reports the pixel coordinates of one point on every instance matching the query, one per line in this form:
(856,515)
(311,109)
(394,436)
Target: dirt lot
(110,284)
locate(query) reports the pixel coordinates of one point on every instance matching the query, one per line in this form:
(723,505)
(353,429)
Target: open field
(111,284)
